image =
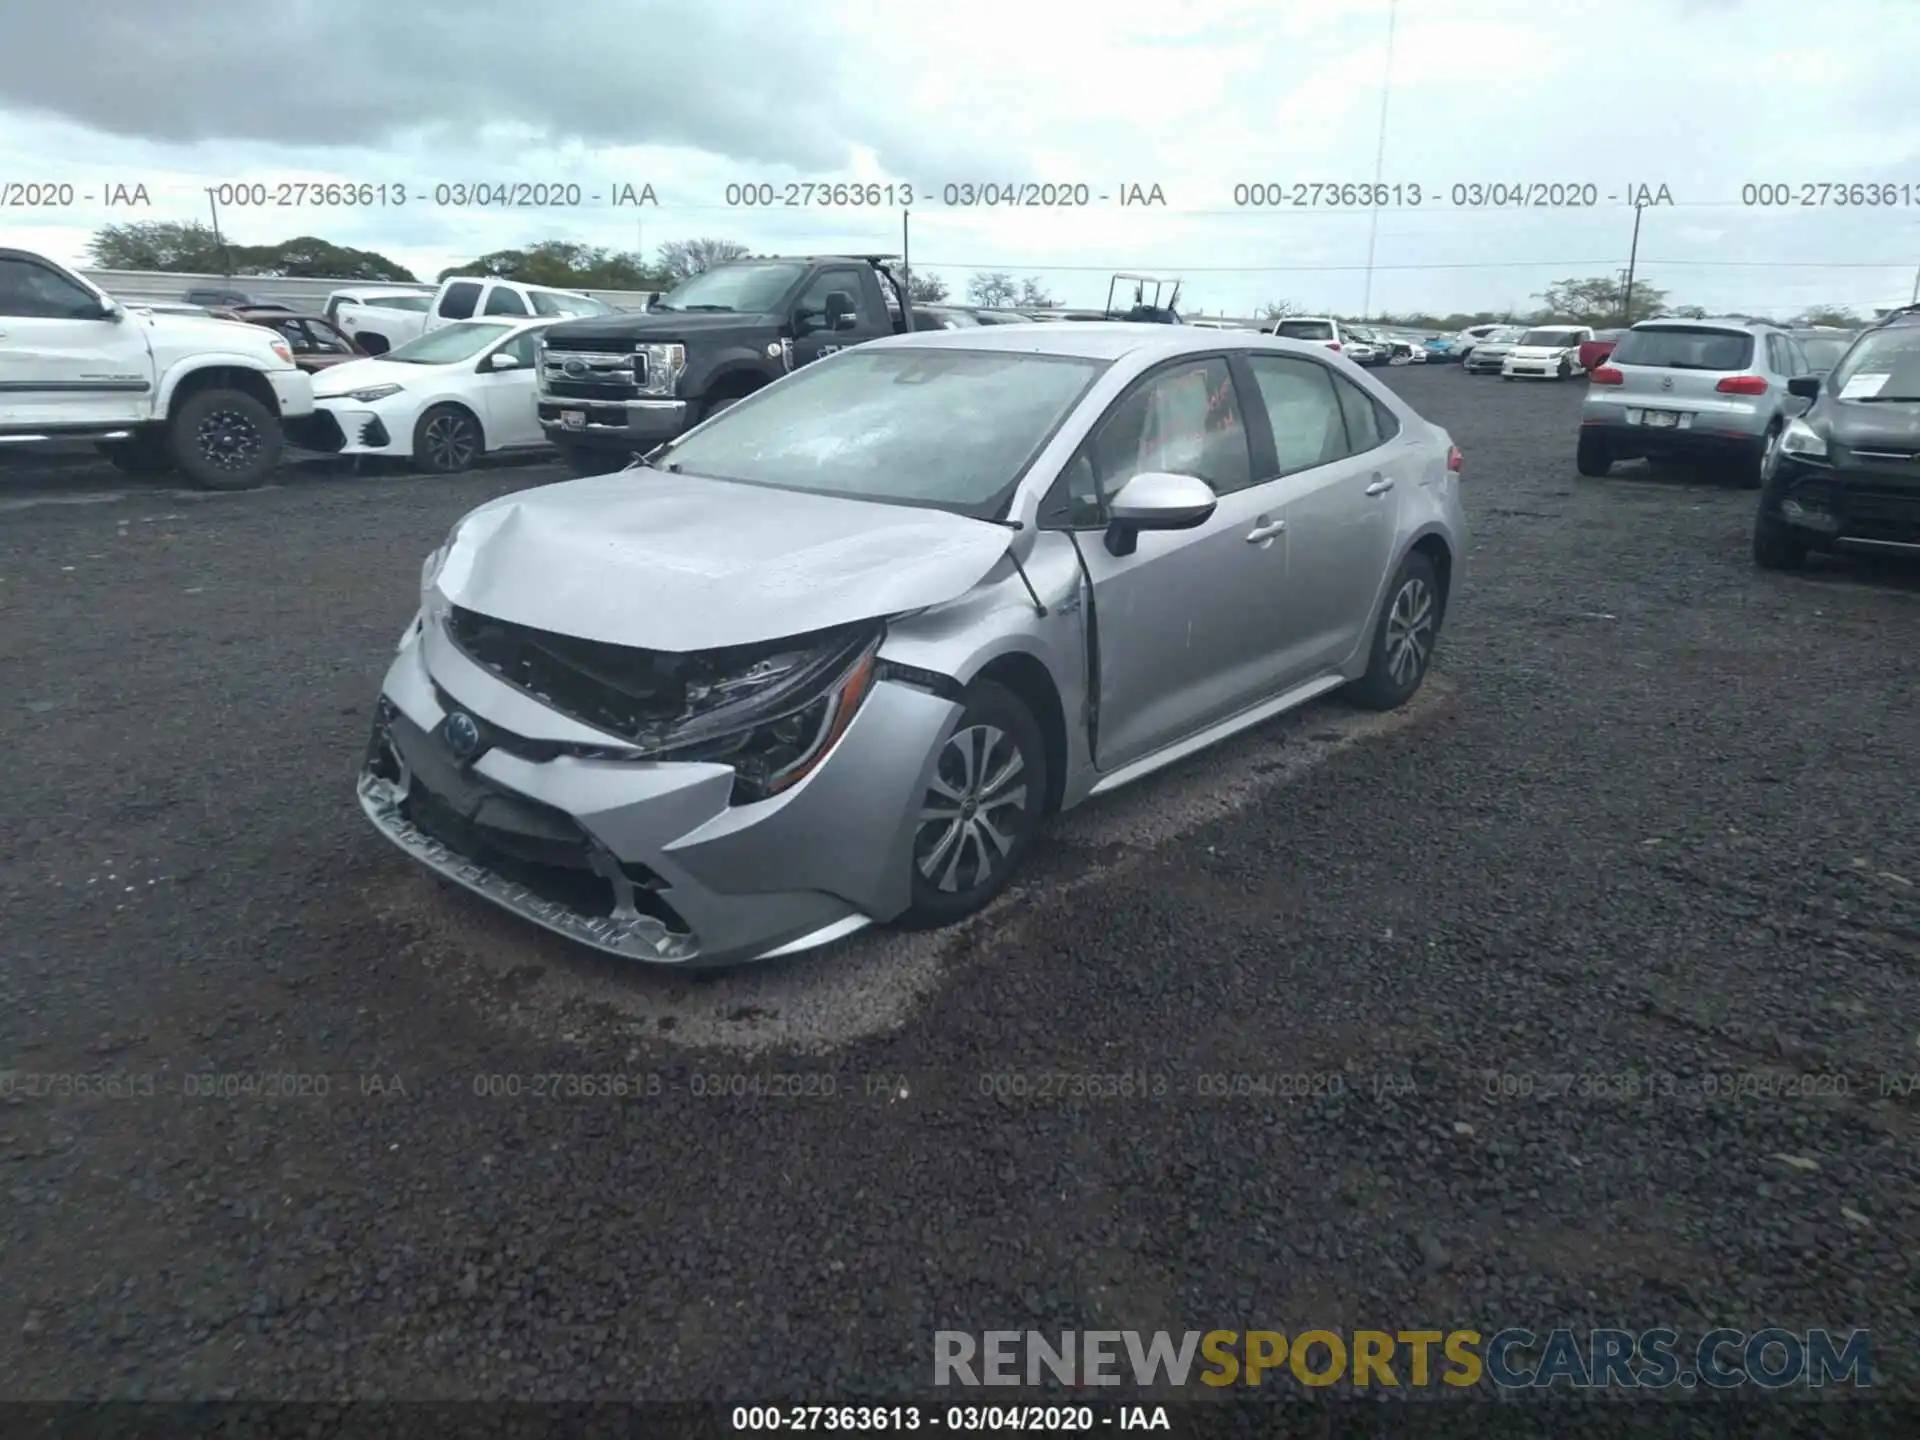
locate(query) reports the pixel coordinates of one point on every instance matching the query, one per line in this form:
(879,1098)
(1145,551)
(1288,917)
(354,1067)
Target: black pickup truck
(613,385)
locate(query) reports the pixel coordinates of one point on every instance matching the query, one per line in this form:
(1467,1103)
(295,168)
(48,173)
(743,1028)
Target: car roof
(1730,324)
(1111,341)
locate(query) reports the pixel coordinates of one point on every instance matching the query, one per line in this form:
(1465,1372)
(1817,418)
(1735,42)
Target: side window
(1801,365)
(327,340)
(458,302)
(1185,420)
(295,335)
(504,300)
(1308,428)
(522,346)
(1075,501)
(813,300)
(33,292)
(1361,414)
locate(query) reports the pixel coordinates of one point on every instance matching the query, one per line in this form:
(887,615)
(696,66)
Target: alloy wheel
(228,439)
(973,809)
(450,442)
(1410,632)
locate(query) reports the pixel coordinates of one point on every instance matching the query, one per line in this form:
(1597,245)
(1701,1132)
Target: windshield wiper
(1887,399)
(658,306)
(711,309)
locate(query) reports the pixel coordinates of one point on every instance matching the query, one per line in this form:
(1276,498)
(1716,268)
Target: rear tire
(1775,546)
(1751,472)
(224,440)
(1591,457)
(982,812)
(447,440)
(1403,638)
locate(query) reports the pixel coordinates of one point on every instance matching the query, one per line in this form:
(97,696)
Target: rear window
(1304,330)
(1675,347)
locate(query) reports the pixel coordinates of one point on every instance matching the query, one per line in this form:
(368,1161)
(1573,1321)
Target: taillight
(1743,385)
(1333,344)
(1606,375)
(1453,458)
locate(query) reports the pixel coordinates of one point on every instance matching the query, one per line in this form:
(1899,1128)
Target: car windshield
(750,289)
(1555,338)
(545,302)
(1304,330)
(448,346)
(949,429)
(1883,366)
(1683,347)
(1823,352)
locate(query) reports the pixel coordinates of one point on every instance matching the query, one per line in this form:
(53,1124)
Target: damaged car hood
(676,562)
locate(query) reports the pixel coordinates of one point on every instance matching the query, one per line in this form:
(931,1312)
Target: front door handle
(1265,532)
(1380,485)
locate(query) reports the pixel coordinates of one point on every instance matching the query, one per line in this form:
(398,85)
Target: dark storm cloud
(754,82)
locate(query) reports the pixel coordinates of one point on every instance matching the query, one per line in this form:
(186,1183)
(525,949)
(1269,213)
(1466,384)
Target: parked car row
(1831,441)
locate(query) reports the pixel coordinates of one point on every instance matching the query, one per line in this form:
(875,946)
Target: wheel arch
(453,402)
(191,380)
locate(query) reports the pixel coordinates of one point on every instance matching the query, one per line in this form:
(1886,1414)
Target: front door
(512,405)
(815,335)
(1341,480)
(1179,621)
(60,362)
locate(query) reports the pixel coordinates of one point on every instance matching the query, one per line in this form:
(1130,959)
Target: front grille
(592,347)
(1883,512)
(594,374)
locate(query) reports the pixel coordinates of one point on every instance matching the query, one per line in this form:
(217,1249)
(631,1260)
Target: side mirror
(1156,500)
(501,360)
(840,311)
(1806,387)
(111,309)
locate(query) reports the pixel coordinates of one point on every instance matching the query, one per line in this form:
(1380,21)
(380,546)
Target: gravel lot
(1655,814)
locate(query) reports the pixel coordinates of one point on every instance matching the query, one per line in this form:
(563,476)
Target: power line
(1611,263)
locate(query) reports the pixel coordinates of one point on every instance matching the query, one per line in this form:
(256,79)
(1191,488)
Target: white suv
(157,392)
(1324,328)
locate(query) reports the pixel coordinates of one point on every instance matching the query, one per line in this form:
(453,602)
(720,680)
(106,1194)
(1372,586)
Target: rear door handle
(1380,485)
(1265,532)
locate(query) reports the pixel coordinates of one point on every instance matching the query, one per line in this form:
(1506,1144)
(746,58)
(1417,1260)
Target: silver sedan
(831,657)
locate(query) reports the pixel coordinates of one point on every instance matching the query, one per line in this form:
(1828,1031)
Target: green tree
(1278,310)
(683,259)
(992,289)
(926,289)
(1688,312)
(1836,315)
(565,265)
(1597,300)
(191,248)
(1034,296)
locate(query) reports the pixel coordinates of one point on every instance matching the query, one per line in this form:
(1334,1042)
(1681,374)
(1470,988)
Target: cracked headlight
(771,714)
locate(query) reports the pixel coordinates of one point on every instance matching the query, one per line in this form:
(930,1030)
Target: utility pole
(1916,286)
(1633,256)
(1379,160)
(906,273)
(226,260)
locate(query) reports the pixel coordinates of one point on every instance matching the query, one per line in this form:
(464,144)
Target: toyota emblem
(462,735)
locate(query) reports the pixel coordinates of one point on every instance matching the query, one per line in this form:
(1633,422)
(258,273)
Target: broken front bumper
(648,860)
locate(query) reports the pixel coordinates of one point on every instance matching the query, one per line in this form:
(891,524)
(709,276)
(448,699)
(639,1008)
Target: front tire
(1775,546)
(979,817)
(224,440)
(1565,369)
(1404,638)
(447,440)
(584,460)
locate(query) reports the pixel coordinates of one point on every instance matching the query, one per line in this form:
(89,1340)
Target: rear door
(1340,471)
(1185,625)
(60,362)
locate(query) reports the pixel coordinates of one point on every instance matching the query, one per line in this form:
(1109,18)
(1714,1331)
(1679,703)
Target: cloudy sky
(1704,97)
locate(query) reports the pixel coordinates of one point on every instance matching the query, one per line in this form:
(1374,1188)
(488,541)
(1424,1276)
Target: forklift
(1150,312)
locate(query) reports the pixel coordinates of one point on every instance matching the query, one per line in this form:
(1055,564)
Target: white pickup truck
(155,392)
(382,317)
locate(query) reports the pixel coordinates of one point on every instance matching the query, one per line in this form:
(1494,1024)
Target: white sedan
(443,401)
